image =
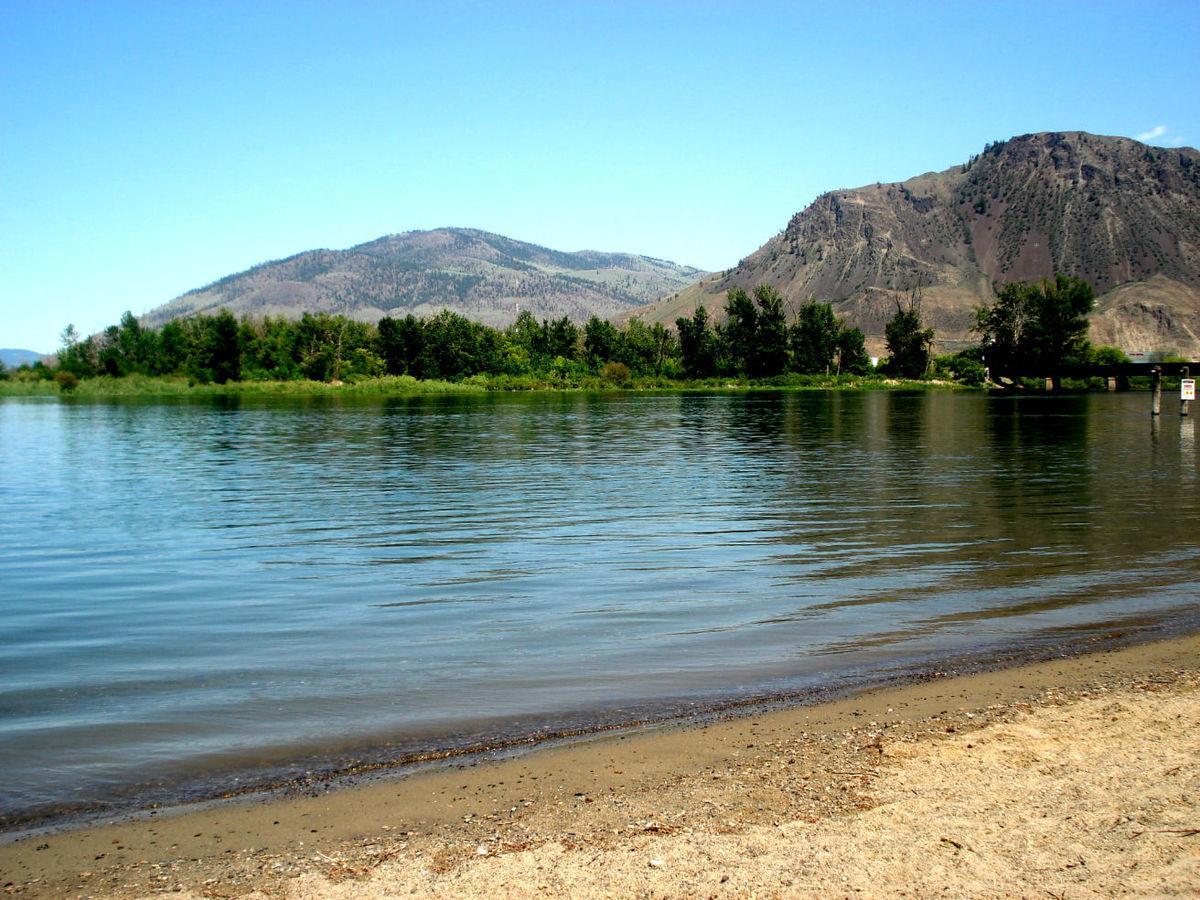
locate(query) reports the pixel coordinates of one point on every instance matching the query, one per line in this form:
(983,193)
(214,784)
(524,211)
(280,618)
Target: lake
(200,591)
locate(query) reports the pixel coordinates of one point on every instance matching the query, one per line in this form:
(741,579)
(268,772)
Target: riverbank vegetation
(756,345)
(762,342)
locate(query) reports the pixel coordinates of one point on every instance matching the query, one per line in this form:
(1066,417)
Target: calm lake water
(197,591)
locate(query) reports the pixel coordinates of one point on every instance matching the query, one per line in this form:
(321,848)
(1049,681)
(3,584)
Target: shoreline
(574,792)
(372,761)
(404,386)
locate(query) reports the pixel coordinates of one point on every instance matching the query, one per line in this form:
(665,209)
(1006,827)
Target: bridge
(1117,374)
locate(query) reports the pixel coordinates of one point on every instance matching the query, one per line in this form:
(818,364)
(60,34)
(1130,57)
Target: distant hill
(1122,215)
(12,357)
(484,276)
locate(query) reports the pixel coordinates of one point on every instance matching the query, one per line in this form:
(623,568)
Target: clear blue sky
(148,148)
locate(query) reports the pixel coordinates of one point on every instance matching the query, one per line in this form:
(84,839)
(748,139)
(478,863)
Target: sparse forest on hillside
(486,277)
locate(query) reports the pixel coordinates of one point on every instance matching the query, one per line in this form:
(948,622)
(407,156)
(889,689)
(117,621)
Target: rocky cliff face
(484,276)
(1122,215)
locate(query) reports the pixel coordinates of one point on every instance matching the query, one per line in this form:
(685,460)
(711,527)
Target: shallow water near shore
(197,590)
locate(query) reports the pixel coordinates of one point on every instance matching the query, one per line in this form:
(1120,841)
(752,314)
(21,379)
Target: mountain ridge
(485,276)
(15,356)
(1123,215)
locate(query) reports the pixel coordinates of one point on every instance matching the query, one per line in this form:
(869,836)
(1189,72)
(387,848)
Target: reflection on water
(194,586)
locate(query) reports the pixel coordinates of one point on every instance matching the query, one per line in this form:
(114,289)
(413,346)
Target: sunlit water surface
(190,591)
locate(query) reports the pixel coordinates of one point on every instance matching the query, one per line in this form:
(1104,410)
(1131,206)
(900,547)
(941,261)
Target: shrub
(67,381)
(964,367)
(615,372)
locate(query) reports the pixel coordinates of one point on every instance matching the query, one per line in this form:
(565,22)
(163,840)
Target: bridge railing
(1097,370)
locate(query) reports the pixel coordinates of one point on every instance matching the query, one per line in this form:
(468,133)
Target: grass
(176,386)
(405,385)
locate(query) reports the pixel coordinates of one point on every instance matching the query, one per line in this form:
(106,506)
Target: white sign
(1187,389)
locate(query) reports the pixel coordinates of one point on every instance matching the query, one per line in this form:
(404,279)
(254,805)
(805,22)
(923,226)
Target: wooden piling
(1156,391)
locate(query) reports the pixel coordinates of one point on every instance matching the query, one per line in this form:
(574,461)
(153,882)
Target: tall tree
(602,342)
(77,356)
(561,338)
(401,342)
(741,330)
(771,334)
(1040,325)
(814,338)
(222,352)
(697,345)
(908,342)
(852,356)
(173,347)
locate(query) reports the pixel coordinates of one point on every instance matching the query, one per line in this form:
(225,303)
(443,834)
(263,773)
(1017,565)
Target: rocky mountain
(1122,215)
(484,276)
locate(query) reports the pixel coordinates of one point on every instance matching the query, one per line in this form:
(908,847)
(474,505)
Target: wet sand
(1074,777)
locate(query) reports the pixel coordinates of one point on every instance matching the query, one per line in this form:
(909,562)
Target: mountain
(12,358)
(484,276)
(1122,215)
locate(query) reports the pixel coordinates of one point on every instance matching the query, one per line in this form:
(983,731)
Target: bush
(1106,356)
(964,367)
(615,372)
(67,381)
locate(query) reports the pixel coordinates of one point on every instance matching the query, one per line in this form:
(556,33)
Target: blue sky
(149,148)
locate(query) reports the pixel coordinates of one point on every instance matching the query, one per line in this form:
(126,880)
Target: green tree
(173,349)
(136,345)
(269,349)
(1036,325)
(664,346)
(77,356)
(697,345)
(561,338)
(220,352)
(602,343)
(527,334)
(401,344)
(1059,332)
(908,343)
(770,357)
(814,338)
(1107,356)
(740,335)
(456,347)
(111,362)
(645,347)
(852,356)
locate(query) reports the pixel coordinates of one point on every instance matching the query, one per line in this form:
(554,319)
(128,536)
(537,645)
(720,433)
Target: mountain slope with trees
(1121,215)
(486,277)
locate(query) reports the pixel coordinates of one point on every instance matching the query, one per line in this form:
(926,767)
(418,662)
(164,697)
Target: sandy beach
(1074,777)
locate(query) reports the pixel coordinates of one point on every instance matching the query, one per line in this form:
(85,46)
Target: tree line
(755,341)
(761,337)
